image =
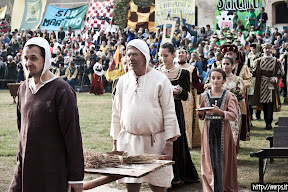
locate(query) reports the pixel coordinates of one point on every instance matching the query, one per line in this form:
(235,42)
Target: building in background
(205,10)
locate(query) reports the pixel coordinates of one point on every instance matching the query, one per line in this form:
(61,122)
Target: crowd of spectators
(74,55)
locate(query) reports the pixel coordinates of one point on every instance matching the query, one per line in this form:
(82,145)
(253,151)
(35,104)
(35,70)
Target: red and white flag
(99,14)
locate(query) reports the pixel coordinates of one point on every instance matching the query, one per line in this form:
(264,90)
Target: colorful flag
(27,14)
(56,17)
(116,60)
(99,14)
(141,17)
(3,12)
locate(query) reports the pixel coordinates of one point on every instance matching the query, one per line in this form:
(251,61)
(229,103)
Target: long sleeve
(232,108)
(246,75)
(115,122)
(69,125)
(195,81)
(166,100)
(202,103)
(185,84)
(16,183)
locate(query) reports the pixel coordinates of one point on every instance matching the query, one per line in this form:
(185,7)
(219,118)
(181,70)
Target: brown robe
(266,67)
(49,142)
(227,168)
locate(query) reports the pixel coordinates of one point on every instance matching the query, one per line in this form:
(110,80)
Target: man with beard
(267,70)
(255,53)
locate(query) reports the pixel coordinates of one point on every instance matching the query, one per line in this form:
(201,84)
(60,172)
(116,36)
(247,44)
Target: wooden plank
(132,170)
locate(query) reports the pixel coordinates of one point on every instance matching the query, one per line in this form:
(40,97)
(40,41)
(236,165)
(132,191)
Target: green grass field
(95,117)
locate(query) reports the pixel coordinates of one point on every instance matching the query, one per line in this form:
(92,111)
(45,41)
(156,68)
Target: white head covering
(141,46)
(41,42)
(46,75)
(98,69)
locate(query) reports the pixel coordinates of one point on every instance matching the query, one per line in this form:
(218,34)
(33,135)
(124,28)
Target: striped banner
(183,10)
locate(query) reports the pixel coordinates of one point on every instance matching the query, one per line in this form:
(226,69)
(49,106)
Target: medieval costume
(284,78)
(250,63)
(218,151)
(235,85)
(243,72)
(49,153)
(193,132)
(143,117)
(96,86)
(184,169)
(266,94)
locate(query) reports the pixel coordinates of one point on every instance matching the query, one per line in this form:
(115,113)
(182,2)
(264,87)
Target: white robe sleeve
(115,122)
(166,100)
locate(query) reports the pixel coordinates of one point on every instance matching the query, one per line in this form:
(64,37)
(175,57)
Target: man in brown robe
(267,70)
(50,154)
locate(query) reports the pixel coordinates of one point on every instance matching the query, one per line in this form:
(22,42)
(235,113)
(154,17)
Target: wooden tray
(131,170)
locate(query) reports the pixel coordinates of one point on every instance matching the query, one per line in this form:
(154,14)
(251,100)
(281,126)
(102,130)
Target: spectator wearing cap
(250,17)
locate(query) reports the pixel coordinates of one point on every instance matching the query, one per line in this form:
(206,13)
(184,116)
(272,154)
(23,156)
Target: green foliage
(121,8)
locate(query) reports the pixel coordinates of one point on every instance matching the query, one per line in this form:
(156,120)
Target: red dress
(96,86)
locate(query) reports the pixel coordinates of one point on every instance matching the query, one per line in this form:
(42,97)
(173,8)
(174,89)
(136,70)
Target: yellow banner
(182,10)
(27,14)
(3,12)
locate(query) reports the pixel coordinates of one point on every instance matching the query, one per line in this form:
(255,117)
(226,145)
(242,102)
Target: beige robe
(143,118)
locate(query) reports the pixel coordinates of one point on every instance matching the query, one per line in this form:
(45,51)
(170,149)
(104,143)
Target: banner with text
(56,17)
(27,14)
(230,13)
(182,10)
